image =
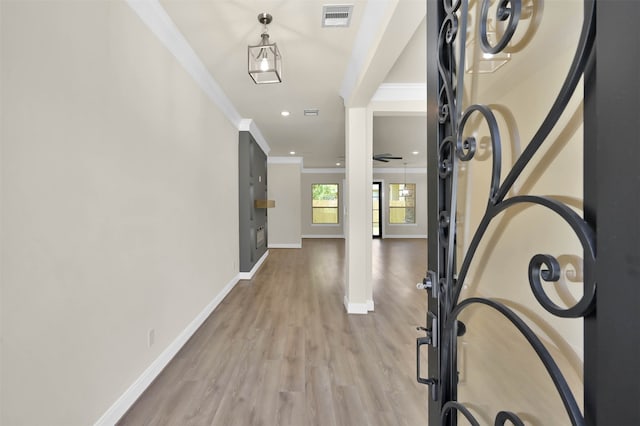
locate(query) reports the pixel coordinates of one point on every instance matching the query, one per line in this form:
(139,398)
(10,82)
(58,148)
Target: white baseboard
(294,245)
(323,236)
(358,308)
(249,275)
(405,236)
(129,397)
(370,305)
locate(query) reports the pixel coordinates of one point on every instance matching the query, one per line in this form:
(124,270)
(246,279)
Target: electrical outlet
(151,337)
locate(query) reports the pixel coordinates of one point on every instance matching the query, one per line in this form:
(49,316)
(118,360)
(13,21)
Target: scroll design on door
(454,148)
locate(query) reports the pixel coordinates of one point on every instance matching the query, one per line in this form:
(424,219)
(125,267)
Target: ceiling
(316,65)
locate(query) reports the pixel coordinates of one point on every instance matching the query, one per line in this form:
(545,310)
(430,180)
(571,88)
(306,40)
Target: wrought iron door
(466,133)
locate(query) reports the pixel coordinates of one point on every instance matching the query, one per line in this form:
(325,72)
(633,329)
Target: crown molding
(323,171)
(155,17)
(409,170)
(247,124)
(285,160)
(398,92)
(158,21)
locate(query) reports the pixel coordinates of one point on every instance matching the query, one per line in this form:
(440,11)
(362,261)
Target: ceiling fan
(385,157)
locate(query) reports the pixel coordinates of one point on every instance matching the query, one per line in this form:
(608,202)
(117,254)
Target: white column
(358,297)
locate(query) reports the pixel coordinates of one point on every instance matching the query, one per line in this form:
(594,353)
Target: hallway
(280,349)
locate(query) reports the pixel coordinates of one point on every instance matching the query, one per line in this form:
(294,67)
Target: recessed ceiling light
(337,164)
(415,153)
(292,152)
(285,113)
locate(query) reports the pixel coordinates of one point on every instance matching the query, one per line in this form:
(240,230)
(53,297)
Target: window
(324,203)
(402,203)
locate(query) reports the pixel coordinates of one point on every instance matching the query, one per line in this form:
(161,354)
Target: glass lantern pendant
(265,61)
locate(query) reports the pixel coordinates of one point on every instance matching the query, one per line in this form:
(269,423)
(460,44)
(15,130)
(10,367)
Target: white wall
(119,206)
(283,187)
(412,230)
(417,230)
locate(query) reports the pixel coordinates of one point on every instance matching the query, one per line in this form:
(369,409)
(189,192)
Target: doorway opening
(377,209)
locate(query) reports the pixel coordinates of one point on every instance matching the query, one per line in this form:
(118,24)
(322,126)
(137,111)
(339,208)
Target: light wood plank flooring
(280,349)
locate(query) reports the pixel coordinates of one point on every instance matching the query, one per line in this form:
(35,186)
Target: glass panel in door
(377,212)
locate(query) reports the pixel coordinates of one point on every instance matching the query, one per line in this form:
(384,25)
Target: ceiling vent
(311,112)
(336,15)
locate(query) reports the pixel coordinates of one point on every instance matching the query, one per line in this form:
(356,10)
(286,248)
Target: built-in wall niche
(264,204)
(249,200)
(252,253)
(254,232)
(260,236)
(252,149)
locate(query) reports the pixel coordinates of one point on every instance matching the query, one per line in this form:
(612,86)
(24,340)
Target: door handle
(431,382)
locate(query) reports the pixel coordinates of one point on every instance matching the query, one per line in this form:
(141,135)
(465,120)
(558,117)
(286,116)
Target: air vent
(312,112)
(336,15)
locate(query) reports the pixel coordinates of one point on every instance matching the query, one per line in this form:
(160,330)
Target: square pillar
(358,297)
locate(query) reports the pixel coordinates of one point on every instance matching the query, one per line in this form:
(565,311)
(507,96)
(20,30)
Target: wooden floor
(280,349)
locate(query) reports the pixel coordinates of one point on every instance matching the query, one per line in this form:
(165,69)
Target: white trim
(367,37)
(286,246)
(323,236)
(249,275)
(155,17)
(423,236)
(410,170)
(129,397)
(285,160)
(399,109)
(250,126)
(399,92)
(356,308)
(158,21)
(370,305)
(326,171)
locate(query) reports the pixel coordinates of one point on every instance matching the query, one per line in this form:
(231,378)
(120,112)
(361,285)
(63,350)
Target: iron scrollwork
(454,148)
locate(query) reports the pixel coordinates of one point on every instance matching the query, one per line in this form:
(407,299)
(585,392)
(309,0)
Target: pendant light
(404,192)
(264,59)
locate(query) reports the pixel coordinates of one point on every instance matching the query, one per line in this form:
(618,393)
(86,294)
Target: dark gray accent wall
(253,186)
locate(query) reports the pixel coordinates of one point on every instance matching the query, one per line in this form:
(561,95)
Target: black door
(377,209)
(532,158)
